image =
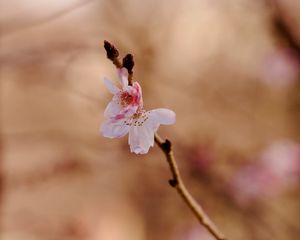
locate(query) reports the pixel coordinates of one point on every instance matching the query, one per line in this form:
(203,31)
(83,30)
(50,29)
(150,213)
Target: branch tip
(111,51)
(128,63)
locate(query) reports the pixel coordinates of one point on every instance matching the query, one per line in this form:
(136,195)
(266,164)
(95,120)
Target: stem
(113,54)
(177,183)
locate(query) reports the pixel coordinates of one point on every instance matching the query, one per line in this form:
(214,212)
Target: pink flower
(277,168)
(279,68)
(125,114)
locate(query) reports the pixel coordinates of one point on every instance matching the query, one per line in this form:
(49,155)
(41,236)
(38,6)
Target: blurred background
(228,68)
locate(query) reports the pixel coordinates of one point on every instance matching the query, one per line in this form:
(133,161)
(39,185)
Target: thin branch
(285,33)
(177,183)
(166,147)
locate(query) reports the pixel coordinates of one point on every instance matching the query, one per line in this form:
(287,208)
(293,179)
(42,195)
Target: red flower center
(126,99)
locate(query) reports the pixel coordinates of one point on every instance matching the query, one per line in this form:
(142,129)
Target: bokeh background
(228,68)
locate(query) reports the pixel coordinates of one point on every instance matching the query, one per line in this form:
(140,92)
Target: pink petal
(129,110)
(123,77)
(141,138)
(114,128)
(112,109)
(137,92)
(110,86)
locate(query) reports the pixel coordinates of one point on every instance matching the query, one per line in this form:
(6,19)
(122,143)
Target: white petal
(112,109)
(114,128)
(163,116)
(110,86)
(141,138)
(123,77)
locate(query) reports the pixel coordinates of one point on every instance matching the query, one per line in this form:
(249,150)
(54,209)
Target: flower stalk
(177,183)
(165,117)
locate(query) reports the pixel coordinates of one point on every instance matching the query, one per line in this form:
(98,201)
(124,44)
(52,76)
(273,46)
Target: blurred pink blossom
(279,68)
(125,114)
(195,233)
(201,158)
(277,168)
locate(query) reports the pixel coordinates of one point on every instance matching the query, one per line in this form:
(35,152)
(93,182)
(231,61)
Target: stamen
(140,117)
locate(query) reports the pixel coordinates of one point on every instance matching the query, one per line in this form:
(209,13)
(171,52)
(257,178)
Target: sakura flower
(125,114)
(125,101)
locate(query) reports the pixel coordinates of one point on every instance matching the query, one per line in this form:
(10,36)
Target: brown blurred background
(227,69)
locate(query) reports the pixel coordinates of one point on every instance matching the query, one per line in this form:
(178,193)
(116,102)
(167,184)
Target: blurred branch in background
(1,164)
(7,29)
(1,145)
(282,28)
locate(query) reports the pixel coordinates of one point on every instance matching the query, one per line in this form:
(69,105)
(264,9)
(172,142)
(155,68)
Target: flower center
(126,99)
(138,118)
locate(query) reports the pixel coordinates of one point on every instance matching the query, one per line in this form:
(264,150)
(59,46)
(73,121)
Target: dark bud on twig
(173,182)
(283,31)
(166,146)
(111,52)
(128,63)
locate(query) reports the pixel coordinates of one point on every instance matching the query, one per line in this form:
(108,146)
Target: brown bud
(173,182)
(111,52)
(128,63)
(166,146)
